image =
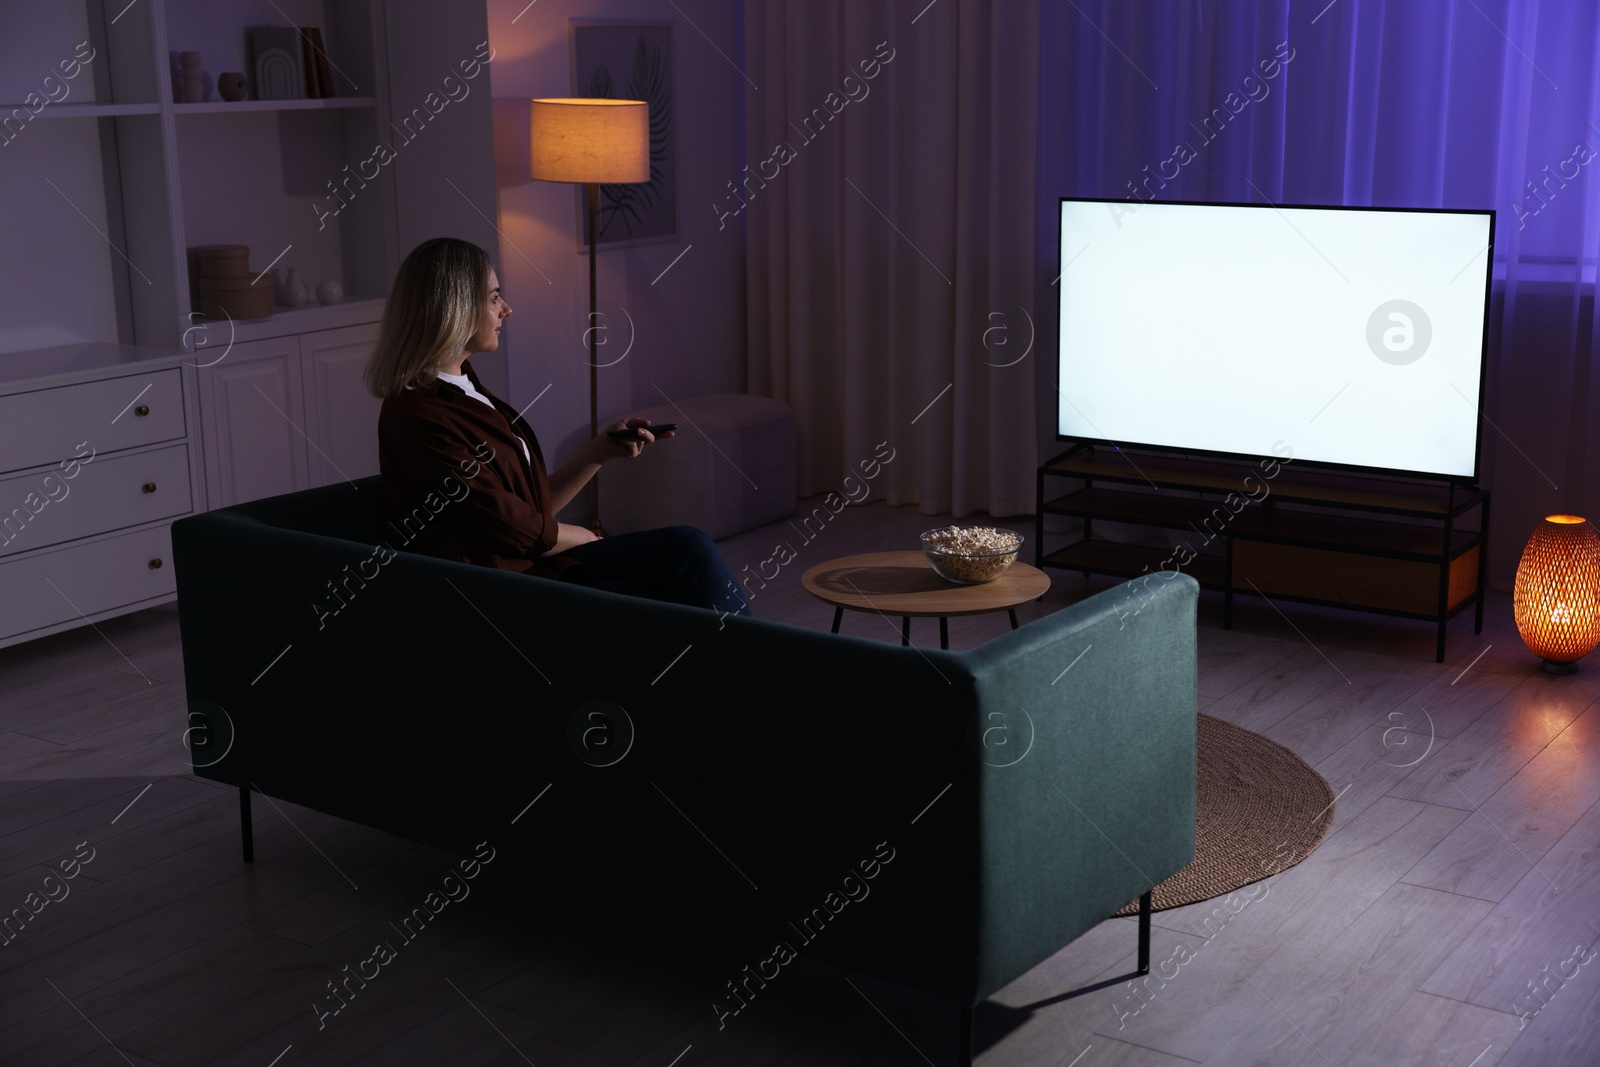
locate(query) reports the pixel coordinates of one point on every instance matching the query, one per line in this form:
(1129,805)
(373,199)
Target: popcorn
(969,555)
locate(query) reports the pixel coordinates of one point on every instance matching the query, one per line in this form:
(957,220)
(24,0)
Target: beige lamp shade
(1556,599)
(590,140)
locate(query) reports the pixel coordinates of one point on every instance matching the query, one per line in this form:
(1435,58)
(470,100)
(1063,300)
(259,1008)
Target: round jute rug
(1260,809)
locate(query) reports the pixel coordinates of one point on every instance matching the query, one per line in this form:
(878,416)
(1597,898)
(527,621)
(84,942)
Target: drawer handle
(155,564)
(149,487)
(142,410)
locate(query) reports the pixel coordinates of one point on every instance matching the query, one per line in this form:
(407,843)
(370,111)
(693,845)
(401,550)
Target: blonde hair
(434,308)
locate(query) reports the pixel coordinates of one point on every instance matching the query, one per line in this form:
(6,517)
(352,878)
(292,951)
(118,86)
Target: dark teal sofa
(737,772)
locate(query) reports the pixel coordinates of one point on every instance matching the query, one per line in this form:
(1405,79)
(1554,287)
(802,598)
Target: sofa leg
(1144,934)
(246,827)
(966,1036)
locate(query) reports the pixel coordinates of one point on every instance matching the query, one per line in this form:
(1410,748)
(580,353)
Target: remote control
(629,435)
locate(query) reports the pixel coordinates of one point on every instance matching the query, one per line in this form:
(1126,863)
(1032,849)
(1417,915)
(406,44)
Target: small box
(237,298)
(222,261)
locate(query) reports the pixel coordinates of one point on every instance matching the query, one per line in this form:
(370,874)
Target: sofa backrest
(351,510)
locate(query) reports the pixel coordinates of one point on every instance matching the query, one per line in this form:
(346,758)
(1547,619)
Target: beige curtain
(888,210)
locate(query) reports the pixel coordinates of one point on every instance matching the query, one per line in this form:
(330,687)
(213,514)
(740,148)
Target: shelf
(215,107)
(89,111)
(1146,509)
(1311,529)
(1363,536)
(284,321)
(1451,611)
(1130,561)
(1355,540)
(59,364)
(1165,472)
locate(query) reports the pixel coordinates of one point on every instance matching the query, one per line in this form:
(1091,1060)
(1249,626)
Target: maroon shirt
(457,485)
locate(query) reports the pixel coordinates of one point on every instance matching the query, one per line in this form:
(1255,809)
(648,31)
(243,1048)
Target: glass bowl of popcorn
(971,555)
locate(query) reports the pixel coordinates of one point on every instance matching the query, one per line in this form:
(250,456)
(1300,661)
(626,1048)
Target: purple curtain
(1401,103)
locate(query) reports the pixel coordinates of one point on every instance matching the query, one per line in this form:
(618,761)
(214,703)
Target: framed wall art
(630,60)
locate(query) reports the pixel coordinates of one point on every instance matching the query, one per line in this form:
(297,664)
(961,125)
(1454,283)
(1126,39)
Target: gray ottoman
(730,468)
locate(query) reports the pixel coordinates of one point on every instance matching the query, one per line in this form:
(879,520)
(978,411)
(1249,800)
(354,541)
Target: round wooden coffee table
(905,584)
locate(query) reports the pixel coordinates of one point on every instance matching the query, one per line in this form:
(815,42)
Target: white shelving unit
(97,111)
(263,173)
(214,107)
(110,183)
(123,179)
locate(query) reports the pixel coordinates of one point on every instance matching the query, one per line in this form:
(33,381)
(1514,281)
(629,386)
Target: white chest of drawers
(96,461)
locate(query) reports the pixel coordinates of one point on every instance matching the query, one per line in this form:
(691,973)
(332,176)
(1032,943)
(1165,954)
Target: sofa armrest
(1087,787)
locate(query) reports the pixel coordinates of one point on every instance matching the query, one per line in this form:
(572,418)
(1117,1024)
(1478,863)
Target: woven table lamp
(1557,594)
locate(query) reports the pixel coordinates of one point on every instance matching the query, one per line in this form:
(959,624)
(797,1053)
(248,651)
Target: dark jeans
(678,564)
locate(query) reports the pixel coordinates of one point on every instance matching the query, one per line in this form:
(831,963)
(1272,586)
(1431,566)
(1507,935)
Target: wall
(688,324)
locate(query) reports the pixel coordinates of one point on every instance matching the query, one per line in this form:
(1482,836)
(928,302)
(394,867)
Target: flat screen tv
(1351,337)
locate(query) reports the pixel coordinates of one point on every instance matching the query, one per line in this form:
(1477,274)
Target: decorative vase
(192,77)
(232,85)
(294,291)
(330,291)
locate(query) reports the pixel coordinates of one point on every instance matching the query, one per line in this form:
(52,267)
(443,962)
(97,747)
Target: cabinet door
(341,416)
(252,417)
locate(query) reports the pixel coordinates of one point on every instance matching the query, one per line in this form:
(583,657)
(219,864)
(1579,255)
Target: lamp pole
(590,141)
(593,195)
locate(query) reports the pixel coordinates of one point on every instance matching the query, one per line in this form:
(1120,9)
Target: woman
(463,473)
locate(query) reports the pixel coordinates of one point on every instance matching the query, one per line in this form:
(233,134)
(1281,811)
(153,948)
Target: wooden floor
(1447,920)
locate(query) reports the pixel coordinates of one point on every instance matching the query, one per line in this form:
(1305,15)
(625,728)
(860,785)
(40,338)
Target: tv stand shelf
(1367,542)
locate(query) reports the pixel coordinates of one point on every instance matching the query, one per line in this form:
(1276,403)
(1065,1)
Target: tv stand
(1363,541)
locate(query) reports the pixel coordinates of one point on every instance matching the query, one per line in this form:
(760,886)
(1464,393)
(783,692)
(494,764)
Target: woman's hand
(605,447)
(567,482)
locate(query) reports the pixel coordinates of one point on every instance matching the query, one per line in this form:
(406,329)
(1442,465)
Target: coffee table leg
(1013,614)
(944,632)
(905,630)
(838,616)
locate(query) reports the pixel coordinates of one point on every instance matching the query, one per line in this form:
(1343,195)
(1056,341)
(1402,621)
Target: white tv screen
(1350,336)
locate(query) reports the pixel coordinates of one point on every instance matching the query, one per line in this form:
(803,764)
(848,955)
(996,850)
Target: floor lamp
(593,142)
